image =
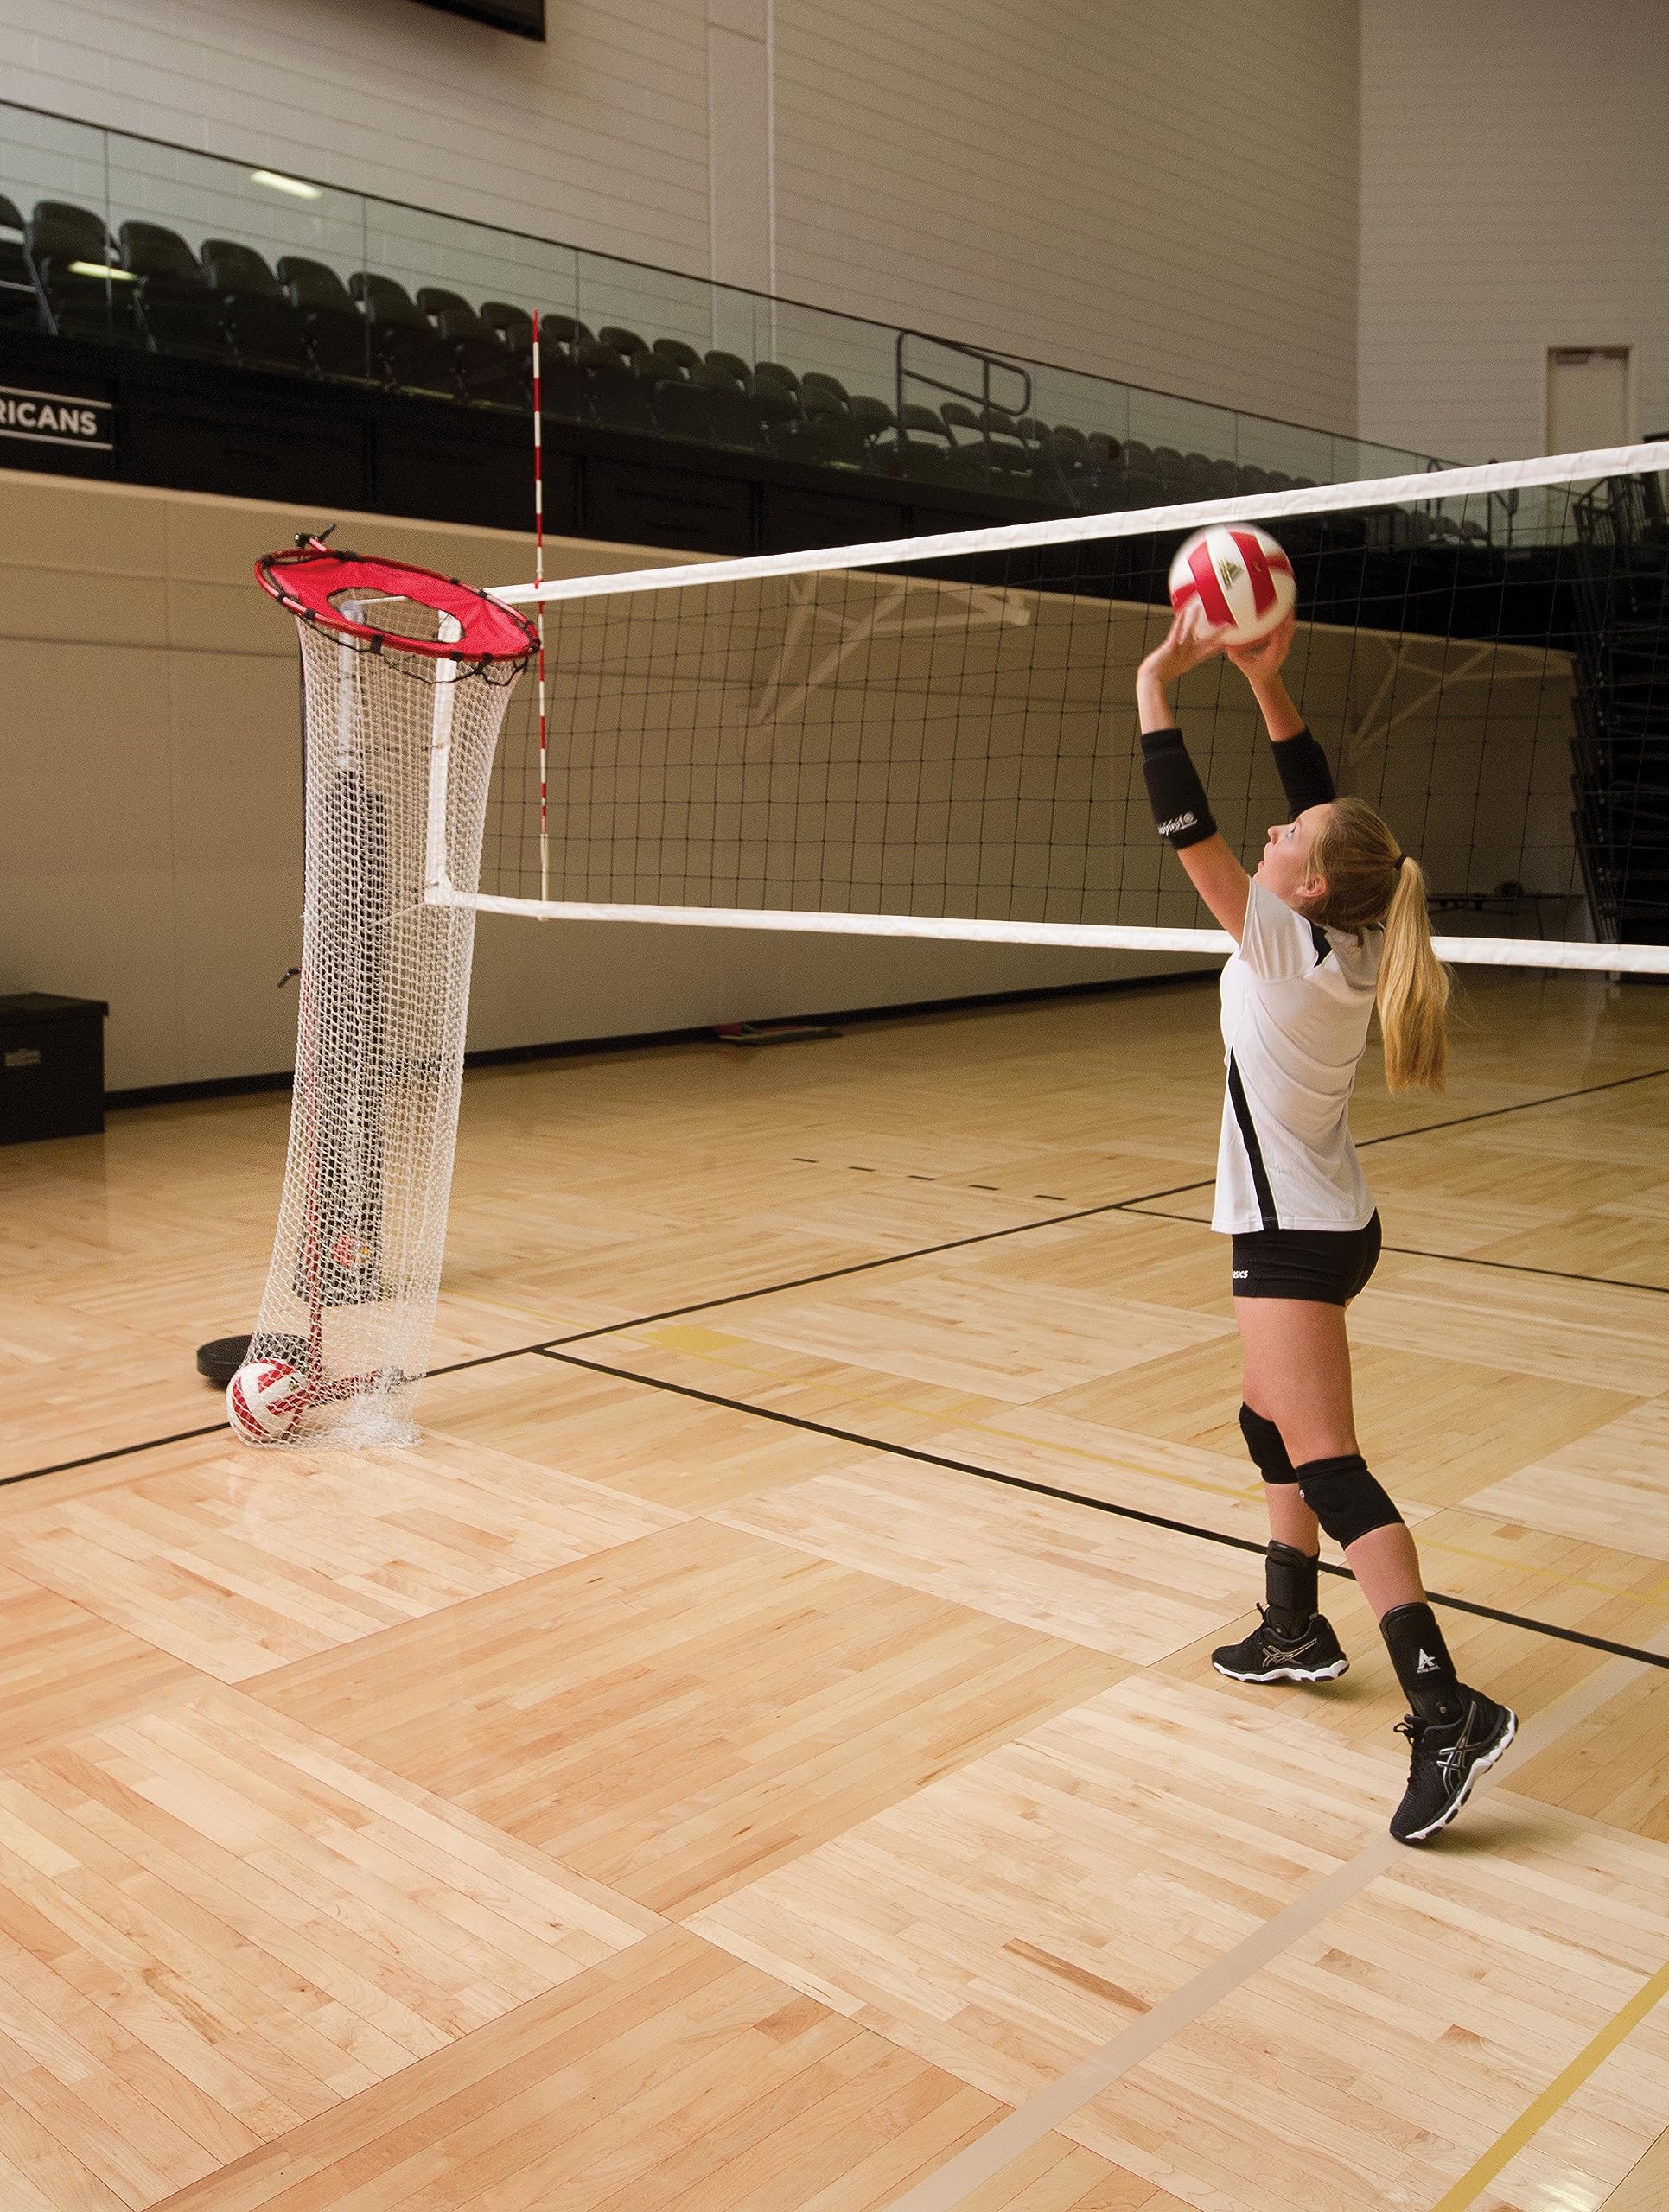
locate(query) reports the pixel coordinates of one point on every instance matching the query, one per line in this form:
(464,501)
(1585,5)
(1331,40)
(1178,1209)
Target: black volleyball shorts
(1327,1266)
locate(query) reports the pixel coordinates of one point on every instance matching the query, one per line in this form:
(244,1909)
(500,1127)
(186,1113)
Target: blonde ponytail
(1369,882)
(1412,996)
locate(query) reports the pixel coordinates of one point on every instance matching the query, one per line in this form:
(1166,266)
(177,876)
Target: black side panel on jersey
(1254,1150)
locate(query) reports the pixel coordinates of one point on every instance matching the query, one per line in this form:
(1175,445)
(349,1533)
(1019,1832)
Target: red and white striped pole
(538,577)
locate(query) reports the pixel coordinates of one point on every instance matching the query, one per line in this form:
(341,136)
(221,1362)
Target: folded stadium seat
(735,422)
(434,301)
(1251,479)
(734,365)
(80,304)
(179,312)
(565,390)
(565,386)
(970,462)
(513,326)
(775,411)
(486,371)
(1061,465)
(1198,476)
(825,387)
(773,373)
(20,303)
(873,417)
(623,341)
(1169,467)
(923,446)
(405,348)
(1125,474)
(619,398)
(828,435)
(674,349)
(706,410)
(1007,450)
(485,368)
(338,339)
(261,327)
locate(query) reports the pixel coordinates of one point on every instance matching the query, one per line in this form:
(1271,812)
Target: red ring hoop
(307,578)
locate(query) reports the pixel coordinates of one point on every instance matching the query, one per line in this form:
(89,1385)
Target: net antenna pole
(539,574)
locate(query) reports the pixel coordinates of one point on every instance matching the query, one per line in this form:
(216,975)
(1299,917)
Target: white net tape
(399,757)
(842,742)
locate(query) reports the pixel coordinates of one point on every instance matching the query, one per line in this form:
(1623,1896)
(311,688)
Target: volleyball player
(1332,923)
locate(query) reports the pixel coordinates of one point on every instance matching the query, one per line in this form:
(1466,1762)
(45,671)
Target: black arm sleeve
(1305,777)
(1174,791)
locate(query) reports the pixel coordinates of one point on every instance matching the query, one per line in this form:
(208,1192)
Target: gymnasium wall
(1092,183)
(1096,183)
(151,840)
(1513,154)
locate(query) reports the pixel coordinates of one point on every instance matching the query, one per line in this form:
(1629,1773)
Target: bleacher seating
(62,274)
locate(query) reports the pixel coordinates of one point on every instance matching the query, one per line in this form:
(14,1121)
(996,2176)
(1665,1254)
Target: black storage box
(52,1066)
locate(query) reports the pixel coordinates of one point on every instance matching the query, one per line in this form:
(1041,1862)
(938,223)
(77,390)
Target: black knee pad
(1345,1498)
(1269,1453)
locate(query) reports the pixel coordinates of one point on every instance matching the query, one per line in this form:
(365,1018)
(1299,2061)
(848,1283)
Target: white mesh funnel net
(399,749)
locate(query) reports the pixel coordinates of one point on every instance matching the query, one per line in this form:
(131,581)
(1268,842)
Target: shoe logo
(1427,1665)
(1242,1273)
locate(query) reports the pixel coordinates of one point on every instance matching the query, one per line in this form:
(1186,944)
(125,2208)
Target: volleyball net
(935,736)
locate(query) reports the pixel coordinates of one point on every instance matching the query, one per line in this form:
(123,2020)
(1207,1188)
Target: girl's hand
(1259,662)
(1188,641)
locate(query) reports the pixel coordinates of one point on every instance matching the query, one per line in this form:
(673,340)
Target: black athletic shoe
(1313,1655)
(1449,1757)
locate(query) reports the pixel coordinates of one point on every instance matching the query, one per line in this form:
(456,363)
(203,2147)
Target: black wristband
(1174,791)
(1305,777)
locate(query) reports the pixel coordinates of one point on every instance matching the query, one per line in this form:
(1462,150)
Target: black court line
(1146,1199)
(1078,1497)
(1451,1258)
(115,1452)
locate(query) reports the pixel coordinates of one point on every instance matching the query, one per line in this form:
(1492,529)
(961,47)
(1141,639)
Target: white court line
(1040,2115)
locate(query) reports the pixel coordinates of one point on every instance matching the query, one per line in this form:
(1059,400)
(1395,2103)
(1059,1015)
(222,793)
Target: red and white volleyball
(1242,579)
(262,1399)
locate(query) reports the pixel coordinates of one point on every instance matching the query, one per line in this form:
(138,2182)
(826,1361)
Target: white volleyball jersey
(1297,1000)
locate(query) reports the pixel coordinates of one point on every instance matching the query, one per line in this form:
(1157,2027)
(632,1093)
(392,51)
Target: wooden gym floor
(758,1753)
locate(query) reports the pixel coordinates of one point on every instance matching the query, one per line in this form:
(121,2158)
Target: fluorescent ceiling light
(293,185)
(100,268)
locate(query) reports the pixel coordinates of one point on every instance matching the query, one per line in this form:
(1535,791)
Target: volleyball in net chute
(406,678)
(931,737)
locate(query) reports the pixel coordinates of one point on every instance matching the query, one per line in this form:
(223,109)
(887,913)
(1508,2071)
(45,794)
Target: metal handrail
(987,362)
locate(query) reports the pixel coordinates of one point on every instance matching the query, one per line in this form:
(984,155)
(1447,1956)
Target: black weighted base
(220,1360)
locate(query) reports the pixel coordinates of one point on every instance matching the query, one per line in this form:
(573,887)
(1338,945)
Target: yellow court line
(1558,2092)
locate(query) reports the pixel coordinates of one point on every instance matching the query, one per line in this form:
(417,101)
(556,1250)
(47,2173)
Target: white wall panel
(1096,183)
(598,138)
(1513,154)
